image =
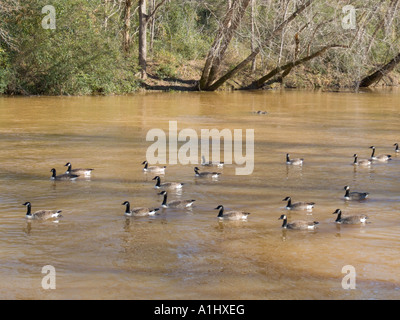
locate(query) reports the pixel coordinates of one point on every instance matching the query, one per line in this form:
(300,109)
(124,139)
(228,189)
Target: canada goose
(41,214)
(205,173)
(397,150)
(362,162)
(65,176)
(260,112)
(138,212)
(381,158)
(218,164)
(296,162)
(167,185)
(298,224)
(349,219)
(85,172)
(153,168)
(354,195)
(176,203)
(231,215)
(298,205)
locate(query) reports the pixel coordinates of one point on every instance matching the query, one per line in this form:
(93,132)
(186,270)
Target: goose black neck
(145,165)
(158,181)
(53,175)
(69,168)
(287,158)
(373,153)
(339,217)
(355,159)
(128,208)
(221,212)
(347,192)
(289,203)
(28,210)
(164,203)
(284,223)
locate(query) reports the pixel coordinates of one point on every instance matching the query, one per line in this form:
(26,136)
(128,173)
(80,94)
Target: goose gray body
(380,158)
(231,215)
(41,214)
(205,163)
(181,204)
(205,174)
(79,172)
(298,205)
(260,112)
(295,162)
(139,211)
(65,176)
(298,224)
(354,195)
(153,169)
(167,185)
(361,162)
(355,219)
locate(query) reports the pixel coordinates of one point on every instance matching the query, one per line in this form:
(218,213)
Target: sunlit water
(188,254)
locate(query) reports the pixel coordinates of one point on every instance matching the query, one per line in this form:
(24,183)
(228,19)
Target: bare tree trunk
(378,74)
(143,39)
(253,44)
(127,26)
(144,19)
(152,26)
(289,66)
(230,23)
(257,50)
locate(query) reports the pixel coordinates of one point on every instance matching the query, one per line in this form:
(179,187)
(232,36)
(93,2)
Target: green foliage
(185,31)
(84,54)
(74,59)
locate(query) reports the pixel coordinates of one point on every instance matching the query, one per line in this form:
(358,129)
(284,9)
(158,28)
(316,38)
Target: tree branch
(287,67)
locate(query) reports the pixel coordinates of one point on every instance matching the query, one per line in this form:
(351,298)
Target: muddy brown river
(98,253)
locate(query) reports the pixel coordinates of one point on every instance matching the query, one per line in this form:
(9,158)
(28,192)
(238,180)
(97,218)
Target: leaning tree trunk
(218,83)
(378,74)
(289,66)
(226,31)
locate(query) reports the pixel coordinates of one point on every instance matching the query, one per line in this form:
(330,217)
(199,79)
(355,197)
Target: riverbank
(185,78)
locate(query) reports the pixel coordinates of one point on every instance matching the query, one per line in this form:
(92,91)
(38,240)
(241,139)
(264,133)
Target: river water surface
(188,254)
